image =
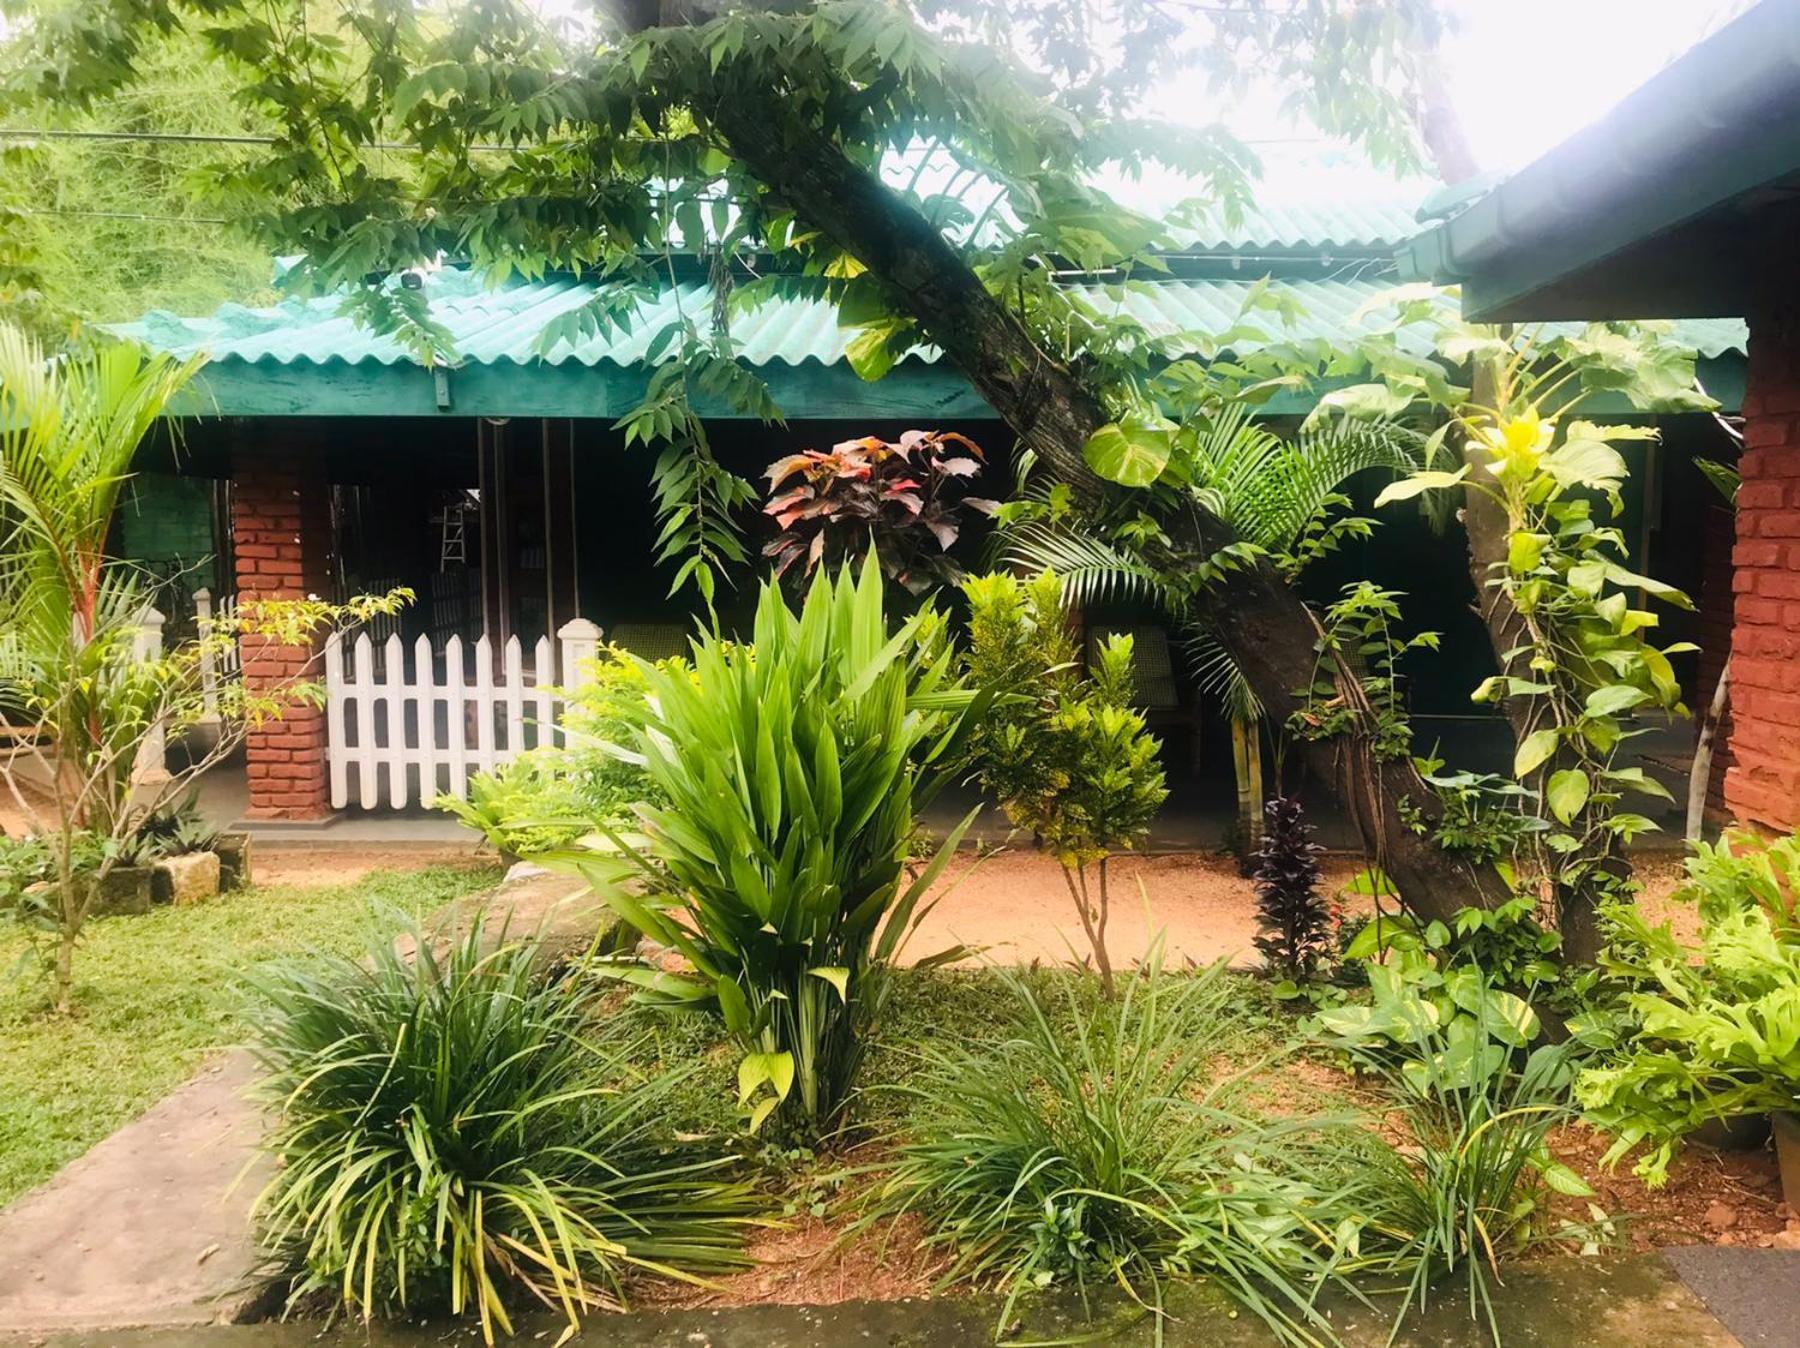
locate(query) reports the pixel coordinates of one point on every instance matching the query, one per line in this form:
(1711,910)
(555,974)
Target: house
(497,488)
(1684,203)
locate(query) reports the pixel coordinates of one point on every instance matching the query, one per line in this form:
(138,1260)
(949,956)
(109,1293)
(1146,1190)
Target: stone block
(126,891)
(192,878)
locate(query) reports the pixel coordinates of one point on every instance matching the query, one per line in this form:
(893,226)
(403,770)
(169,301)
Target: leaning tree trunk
(1259,618)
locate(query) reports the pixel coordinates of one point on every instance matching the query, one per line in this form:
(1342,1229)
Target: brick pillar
(281,544)
(1762,785)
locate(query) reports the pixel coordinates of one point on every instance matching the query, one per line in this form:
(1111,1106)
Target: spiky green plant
(791,769)
(449,1133)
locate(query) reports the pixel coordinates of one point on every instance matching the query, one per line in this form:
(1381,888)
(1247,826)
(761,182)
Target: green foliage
(1356,685)
(1062,751)
(1698,1039)
(1460,1067)
(791,769)
(449,1134)
(1513,950)
(1100,1146)
(1584,670)
(552,797)
(1479,814)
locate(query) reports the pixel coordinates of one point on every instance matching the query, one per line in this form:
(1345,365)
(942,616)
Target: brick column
(281,544)
(1762,785)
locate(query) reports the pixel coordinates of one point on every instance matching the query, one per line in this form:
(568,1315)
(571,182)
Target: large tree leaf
(1566,793)
(1132,452)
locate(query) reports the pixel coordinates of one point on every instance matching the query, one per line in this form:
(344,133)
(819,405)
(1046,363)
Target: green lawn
(155,994)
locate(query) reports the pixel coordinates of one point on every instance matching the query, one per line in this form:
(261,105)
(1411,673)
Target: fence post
(580,642)
(150,767)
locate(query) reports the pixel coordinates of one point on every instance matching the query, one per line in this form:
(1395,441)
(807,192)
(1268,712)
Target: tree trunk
(1259,618)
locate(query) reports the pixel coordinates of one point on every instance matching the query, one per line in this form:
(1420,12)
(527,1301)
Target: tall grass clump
(450,1136)
(1107,1148)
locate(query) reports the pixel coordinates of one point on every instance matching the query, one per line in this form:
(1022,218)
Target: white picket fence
(410,733)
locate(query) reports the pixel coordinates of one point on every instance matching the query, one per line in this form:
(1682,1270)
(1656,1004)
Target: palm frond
(1217,675)
(1092,570)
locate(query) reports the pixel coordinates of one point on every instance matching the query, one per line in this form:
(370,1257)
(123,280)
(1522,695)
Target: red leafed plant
(903,498)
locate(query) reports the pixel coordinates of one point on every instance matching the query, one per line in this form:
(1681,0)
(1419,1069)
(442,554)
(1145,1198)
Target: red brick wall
(281,546)
(1763,784)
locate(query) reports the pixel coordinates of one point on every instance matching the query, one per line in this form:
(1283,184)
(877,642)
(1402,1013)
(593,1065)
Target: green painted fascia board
(1722,120)
(810,391)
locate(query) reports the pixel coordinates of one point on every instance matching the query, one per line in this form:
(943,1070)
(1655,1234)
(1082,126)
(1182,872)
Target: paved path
(150,1227)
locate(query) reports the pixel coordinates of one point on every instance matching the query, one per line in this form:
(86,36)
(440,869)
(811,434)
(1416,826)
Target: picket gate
(409,730)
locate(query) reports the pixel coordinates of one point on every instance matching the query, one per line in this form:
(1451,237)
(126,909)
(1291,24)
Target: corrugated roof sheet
(493,325)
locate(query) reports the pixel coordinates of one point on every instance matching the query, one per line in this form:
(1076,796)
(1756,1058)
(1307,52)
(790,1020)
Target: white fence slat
(514,692)
(393,703)
(456,723)
(337,711)
(543,678)
(484,704)
(367,755)
(425,696)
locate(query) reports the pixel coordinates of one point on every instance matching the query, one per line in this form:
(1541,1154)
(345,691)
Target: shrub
(1296,920)
(1108,1152)
(1460,1066)
(791,769)
(450,1135)
(1700,1040)
(552,797)
(1063,753)
(901,501)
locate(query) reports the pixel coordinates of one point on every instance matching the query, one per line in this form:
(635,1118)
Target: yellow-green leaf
(838,978)
(1132,452)
(1534,751)
(1566,793)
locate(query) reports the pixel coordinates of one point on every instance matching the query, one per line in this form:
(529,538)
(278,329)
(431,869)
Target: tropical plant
(790,769)
(1114,1153)
(1296,921)
(903,500)
(1699,1039)
(1063,752)
(1460,1068)
(450,1133)
(88,700)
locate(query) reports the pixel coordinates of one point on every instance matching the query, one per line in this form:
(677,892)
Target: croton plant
(903,498)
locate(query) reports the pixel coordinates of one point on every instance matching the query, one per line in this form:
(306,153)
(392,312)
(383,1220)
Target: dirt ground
(1014,908)
(318,867)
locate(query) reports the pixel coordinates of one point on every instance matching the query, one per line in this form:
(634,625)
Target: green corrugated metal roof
(493,326)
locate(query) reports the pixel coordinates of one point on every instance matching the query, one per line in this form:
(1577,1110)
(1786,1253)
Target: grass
(155,994)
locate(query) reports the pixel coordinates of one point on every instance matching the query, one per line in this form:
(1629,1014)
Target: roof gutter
(1720,121)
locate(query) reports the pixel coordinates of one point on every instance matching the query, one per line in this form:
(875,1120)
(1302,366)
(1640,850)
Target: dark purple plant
(1295,918)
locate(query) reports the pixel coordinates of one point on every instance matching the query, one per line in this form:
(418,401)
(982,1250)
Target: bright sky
(1526,73)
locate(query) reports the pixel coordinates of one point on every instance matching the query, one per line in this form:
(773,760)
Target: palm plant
(791,769)
(450,1133)
(1283,496)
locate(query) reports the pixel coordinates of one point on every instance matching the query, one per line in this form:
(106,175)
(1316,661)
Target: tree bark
(1259,618)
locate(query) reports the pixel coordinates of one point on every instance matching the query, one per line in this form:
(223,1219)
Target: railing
(406,731)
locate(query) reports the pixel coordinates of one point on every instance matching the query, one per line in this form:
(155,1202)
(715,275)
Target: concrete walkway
(1631,1302)
(150,1227)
